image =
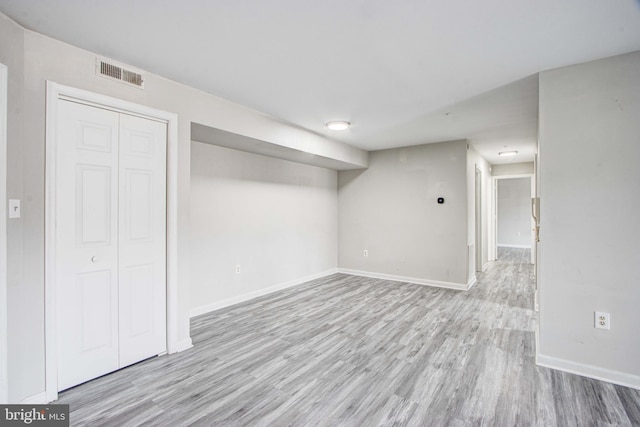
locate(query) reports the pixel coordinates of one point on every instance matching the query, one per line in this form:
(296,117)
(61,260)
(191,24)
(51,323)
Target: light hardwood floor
(354,351)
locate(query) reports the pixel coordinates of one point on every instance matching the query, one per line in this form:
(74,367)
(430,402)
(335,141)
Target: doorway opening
(4,372)
(514,223)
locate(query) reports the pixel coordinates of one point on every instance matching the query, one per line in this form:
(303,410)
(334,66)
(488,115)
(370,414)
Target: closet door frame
(56,93)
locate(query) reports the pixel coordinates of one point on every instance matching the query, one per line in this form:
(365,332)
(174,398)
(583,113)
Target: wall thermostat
(440,200)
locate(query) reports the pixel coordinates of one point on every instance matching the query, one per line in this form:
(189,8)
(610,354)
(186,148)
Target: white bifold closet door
(110,261)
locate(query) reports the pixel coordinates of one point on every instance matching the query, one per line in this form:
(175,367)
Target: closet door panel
(86,229)
(142,238)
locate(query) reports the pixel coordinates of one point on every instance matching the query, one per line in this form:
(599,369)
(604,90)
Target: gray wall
(32,59)
(514,212)
(590,198)
(276,218)
(390,209)
(512,169)
(26,316)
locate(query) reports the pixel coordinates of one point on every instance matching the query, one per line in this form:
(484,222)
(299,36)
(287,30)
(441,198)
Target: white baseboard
(383,276)
(207,308)
(471,282)
(589,371)
(184,345)
(36,399)
(485,266)
(505,245)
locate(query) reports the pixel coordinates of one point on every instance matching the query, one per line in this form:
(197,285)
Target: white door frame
(494,206)
(491,223)
(478,218)
(4,371)
(55,93)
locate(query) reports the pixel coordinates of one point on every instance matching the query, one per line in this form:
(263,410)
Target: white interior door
(110,241)
(86,242)
(142,239)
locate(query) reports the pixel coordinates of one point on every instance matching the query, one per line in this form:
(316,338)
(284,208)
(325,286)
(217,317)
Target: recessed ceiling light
(338,125)
(507,153)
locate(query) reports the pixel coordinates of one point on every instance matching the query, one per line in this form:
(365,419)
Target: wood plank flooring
(353,351)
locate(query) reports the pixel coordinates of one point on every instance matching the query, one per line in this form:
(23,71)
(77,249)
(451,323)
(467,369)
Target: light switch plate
(14,208)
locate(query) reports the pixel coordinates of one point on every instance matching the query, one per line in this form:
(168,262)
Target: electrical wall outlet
(238,270)
(365,253)
(602,320)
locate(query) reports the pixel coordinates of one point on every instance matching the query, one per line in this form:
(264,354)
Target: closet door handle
(94,259)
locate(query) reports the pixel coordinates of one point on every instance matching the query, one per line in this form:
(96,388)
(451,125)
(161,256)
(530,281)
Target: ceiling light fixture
(338,125)
(507,153)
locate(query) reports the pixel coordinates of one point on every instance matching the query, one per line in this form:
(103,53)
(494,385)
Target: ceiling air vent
(116,72)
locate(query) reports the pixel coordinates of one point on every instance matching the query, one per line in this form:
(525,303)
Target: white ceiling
(392,68)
